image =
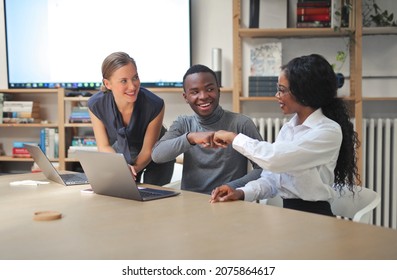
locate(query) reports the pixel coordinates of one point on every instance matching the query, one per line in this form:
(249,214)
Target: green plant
(341,55)
(373,15)
(340,59)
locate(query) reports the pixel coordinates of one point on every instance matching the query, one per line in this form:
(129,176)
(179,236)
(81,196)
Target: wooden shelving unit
(58,118)
(50,118)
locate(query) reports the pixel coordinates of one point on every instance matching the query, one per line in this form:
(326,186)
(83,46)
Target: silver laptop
(49,170)
(109,174)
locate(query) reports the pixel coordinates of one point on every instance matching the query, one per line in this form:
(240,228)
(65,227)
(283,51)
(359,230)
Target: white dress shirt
(299,164)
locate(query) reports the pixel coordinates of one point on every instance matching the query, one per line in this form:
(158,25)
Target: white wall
(211,28)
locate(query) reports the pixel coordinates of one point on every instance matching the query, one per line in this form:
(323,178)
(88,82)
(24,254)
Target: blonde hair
(113,62)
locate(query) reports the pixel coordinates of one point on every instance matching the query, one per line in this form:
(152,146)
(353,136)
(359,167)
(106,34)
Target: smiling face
(288,101)
(201,93)
(285,98)
(124,83)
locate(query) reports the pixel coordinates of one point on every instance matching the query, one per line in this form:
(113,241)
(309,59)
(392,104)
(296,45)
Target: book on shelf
(254,14)
(73,149)
(21,112)
(262,86)
(56,143)
(336,13)
(49,142)
(312,3)
(306,11)
(291,15)
(79,120)
(265,80)
(3,97)
(266,59)
(83,141)
(345,16)
(21,144)
(12,120)
(19,150)
(80,114)
(271,14)
(20,153)
(21,106)
(42,139)
(80,109)
(9,114)
(314,24)
(312,18)
(313,14)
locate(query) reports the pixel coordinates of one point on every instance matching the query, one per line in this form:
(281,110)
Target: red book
(20,151)
(312,11)
(307,18)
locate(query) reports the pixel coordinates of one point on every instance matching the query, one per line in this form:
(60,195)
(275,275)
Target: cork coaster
(47,216)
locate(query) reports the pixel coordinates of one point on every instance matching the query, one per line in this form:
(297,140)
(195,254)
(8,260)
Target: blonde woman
(128,118)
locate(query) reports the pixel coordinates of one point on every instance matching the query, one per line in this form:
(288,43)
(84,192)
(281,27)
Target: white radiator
(380,167)
(269,127)
(379,145)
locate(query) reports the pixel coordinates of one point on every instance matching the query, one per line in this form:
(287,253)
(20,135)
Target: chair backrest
(173,185)
(273,201)
(357,207)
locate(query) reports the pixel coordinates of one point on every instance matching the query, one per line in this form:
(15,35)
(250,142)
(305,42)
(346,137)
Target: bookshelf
(28,132)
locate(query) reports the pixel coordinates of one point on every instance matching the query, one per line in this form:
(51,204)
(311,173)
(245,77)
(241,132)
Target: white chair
(176,177)
(274,201)
(173,185)
(359,207)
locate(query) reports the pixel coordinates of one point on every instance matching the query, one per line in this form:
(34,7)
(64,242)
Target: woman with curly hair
(314,154)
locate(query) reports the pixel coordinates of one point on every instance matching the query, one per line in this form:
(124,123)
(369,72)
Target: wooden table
(185,227)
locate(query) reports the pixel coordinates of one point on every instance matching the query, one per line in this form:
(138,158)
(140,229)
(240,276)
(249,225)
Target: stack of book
(262,85)
(19,150)
(312,13)
(49,142)
(79,114)
(85,143)
(21,112)
(3,97)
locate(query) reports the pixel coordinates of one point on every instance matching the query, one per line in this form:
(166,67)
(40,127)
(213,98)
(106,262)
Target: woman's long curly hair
(313,83)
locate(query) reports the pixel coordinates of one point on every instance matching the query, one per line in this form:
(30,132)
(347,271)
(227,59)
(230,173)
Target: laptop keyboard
(148,194)
(74,177)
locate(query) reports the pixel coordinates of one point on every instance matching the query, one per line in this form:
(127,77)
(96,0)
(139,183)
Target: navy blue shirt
(126,139)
